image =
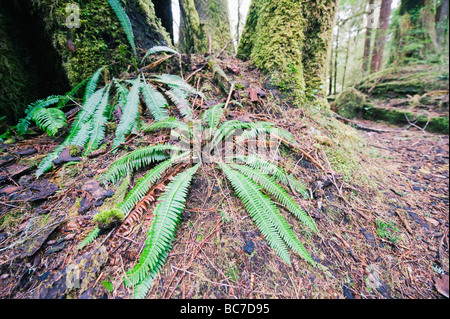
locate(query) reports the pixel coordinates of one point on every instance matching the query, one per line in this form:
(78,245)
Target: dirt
(393,244)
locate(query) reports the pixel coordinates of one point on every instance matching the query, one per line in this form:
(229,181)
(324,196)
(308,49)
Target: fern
(91,85)
(124,22)
(158,49)
(213,116)
(130,114)
(270,185)
(89,238)
(259,206)
(155,101)
(137,160)
(97,126)
(167,216)
(50,120)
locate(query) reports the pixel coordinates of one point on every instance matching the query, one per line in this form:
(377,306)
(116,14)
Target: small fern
(50,120)
(89,238)
(257,182)
(124,22)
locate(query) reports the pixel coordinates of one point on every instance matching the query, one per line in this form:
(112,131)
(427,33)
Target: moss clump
(98,39)
(350,103)
(438,124)
(399,81)
(108,218)
(74,151)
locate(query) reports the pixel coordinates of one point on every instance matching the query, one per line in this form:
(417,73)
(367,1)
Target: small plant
(387,230)
(257,181)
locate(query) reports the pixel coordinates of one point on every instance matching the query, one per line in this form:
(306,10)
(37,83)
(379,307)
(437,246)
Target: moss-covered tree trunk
(45,51)
(204,22)
(291,40)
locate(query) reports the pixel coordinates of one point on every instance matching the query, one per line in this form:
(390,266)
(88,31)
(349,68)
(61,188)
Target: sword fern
(258,183)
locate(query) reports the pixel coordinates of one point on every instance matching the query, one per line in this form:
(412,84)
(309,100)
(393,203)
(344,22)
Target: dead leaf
(441,285)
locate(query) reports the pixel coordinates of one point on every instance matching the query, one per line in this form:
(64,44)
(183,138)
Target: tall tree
(368,39)
(291,40)
(203,21)
(380,37)
(442,27)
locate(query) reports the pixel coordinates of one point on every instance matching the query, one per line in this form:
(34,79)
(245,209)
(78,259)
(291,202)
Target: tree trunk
(203,20)
(336,50)
(442,26)
(368,40)
(291,39)
(49,53)
(380,38)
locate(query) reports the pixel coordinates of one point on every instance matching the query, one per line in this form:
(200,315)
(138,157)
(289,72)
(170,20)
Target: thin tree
(380,38)
(368,40)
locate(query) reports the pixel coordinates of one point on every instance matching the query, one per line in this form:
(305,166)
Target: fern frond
(130,114)
(171,123)
(89,238)
(213,116)
(259,207)
(155,101)
(91,85)
(265,166)
(141,289)
(47,163)
(271,187)
(146,183)
(50,120)
(228,128)
(124,22)
(71,94)
(180,98)
(24,123)
(158,49)
(98,124)
(167,216)
(136,160)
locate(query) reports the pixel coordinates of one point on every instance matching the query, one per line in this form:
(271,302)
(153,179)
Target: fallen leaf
(441,285)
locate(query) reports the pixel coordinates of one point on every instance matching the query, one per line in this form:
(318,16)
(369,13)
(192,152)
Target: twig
(225,47)
(416,126)
(229,95)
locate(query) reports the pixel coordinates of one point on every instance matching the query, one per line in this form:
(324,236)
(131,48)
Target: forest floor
(392,243)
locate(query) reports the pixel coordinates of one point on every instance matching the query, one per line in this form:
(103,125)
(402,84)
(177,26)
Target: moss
(108,218)
(350,103)
(398,81)
(290,40)
(214,17)
(439,124)
(99,37)
(192,34)
(74,151)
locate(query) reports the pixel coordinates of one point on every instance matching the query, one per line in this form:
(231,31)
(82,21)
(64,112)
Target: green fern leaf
(89,238)
(267,167)
(71,94)
(146,183)
(270,186)
(170,123)
(141,289)
(91,85)
(213,116)
(124,22)
(260,207)
(167,216)
(98,123)
(47,163)
(155,101)
(129,116)
(24,123)
(180,98)
(158,49)
(50,120)
(136,160)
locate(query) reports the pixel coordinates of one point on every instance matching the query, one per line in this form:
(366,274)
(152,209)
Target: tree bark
(442,24)
(52,55)
(203,20)
(291,39)
(380,39)
(368,40)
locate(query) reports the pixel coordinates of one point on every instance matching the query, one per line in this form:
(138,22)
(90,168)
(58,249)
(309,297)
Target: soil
(393,244)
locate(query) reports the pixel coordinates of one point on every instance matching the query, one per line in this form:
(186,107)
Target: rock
(85,205)
(65,157)
(27,152)
(369,238)
(249,247)
(347,291)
